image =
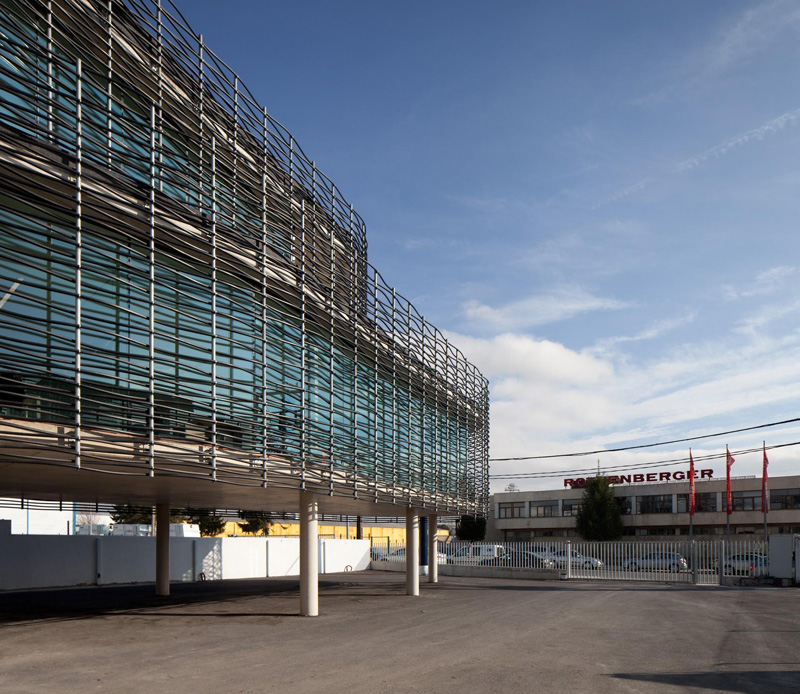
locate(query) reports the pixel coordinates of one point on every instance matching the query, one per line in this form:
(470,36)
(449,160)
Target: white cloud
(594,250)
(758,320)
(625,192)
(657,329)
(511,355)
(558,304)
(757,29)
(426,243)
(547,398)
(769,26)
(767,282)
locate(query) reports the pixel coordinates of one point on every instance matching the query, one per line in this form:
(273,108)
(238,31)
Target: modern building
(187,313)
(653,508)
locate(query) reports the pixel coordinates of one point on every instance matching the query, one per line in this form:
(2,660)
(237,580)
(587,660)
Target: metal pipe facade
(185,294)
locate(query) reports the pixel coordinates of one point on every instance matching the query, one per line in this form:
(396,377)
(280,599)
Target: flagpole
(728,502)
(728,528)
(691,508)
(765,493)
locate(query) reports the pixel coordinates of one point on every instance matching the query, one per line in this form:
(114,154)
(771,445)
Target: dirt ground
(461,635)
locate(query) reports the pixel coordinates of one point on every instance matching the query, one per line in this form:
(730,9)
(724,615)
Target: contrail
(772,126)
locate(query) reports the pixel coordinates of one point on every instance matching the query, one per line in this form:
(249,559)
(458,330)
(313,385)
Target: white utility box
(781,555)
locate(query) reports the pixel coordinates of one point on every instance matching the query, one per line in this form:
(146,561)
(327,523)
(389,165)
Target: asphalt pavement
(461,635)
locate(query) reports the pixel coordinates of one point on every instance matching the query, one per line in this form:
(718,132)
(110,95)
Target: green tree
(142,515)
(255,522)
(471,528)
(125,513)
(599,516)
(210,524)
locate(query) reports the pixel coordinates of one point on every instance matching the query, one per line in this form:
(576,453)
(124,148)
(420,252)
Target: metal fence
(703,562)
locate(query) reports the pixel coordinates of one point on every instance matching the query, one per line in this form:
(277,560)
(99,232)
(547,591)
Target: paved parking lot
(462,635)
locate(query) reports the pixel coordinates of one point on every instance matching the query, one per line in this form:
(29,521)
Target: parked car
(544,550)
(521,559)
(657,561)
(747,564)
(399,556)
(577,560)
(475,555)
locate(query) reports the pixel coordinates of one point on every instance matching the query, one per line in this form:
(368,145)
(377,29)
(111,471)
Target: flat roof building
(652,508)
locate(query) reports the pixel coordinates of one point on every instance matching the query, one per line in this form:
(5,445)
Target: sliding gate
(702,562)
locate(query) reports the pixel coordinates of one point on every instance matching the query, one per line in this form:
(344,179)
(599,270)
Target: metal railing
(703,562)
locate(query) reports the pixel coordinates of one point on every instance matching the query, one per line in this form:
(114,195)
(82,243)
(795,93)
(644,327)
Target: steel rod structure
(192,304)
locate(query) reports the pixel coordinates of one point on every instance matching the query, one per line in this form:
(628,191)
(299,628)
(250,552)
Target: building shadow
(24,607)
(742,682)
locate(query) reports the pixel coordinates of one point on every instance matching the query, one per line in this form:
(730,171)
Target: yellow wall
(278,529)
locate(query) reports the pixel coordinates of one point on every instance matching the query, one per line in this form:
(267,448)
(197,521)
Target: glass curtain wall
(177,270)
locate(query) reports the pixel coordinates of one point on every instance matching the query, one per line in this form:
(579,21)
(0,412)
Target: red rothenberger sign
(677,476)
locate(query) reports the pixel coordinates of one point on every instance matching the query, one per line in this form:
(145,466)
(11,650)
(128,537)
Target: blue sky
(597,201)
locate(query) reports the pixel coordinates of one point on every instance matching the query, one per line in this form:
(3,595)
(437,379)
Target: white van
(475,555)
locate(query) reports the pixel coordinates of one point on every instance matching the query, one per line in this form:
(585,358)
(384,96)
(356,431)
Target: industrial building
(651,508)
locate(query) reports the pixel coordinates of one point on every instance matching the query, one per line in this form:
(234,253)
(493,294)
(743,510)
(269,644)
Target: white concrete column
(309,555)
(433,555)
(162,549)
(412,552)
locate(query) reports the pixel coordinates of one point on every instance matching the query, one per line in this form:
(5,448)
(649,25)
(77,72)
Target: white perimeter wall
(34,522)
(42,561)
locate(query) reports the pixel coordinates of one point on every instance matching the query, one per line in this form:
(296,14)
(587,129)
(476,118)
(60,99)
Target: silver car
(748,564)
(577,560)
(657,561)
(522,559)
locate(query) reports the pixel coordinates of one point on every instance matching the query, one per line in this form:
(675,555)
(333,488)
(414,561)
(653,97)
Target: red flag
(691,483)
(730,460)
(764,484)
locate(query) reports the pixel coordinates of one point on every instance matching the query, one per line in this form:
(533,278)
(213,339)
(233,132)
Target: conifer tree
(210,524)
(471,528)
(599,517)
(255,522)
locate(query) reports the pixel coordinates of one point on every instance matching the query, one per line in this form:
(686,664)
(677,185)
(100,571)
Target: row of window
(780,499)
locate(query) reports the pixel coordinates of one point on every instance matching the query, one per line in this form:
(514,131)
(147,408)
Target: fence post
(693,555)
(721,547)
(569,560)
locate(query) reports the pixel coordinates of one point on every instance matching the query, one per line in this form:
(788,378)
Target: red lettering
(568,482)
(664,476)
(613,479)
(651,476)
(706,474)
(580,482)
(679,475)
(638,478)
(624,479)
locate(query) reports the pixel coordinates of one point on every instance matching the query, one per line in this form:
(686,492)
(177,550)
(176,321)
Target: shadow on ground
(86,602)
(746,682)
